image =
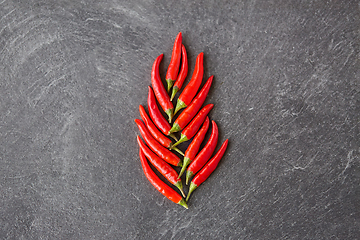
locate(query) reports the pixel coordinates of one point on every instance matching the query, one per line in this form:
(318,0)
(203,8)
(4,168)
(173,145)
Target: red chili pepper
(183,73)
(194,125)
(204,154)
(162,187)
(185,116)
(168,172)
(207,170)
(159,90)
(156,147)
(194,146)
(174,65)
(156,115)
(190,90)
(155,132)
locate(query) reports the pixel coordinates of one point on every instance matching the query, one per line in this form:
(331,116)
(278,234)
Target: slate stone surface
(286,94)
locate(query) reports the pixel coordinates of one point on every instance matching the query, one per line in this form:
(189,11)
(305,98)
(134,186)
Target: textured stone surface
(286,93)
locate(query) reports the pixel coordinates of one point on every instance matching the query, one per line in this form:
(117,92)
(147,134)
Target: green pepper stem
(169,112)
(191,189)
(179,105)
(174,91)
(179,185)
(189,174)
(183,203)
(174,137)
(175,128)
(170,83)
(185,163)
(183,138)
(179,151)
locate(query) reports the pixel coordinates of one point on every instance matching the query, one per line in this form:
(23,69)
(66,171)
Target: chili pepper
(174,65)
(190,90)
(156,147)
(155,132)
(159,90)
(207,170)
(162,187)
(194,146)
(183,73)
(156,115)
(185,116)
(204,154)
(194,125)
(168,172)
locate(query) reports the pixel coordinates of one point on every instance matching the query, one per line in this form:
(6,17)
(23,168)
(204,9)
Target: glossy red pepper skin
(183,73)
(155,132)
(159,90)
(165,169)
(194,146)
(162,187)
(204,154)
(190,90)
(185,116)
(174,65)
(194,125)
(156,115)
(208,169)
(156,147)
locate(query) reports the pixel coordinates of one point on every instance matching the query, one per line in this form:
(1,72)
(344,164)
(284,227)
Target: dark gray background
(286,94)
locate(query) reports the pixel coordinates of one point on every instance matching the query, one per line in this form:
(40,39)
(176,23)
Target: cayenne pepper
(156,115)
(194,146)
(168,172)
(159,90)
(155,132)
(162,187)
(194,125)
(156,147)
(190,90)
(204,154)
(207,170)
(174,65)
(185,116)
(183,73)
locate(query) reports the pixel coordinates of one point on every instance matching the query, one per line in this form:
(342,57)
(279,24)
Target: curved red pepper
(208,169)
(194,146)
(162,187)
(183,73)
(155,132)
(159,90)
(190,90)
(156,147)
(168,172)
(194,125)
(174,65)
(204,154)
(185,116)
(156,115)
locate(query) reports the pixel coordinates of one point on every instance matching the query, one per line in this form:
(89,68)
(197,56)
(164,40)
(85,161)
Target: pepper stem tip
(170,83)
(179,105)
(183,203)
(185,163)
(191,189)
(183,138)
(189,174)
(175,128)
(179,151)
(174,91)
(179,185)
(169,112)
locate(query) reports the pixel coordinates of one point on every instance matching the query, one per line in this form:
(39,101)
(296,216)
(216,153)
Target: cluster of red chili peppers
(193,123)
